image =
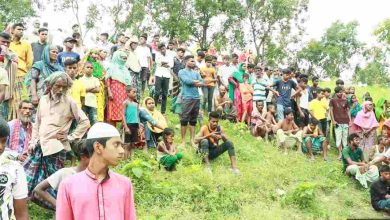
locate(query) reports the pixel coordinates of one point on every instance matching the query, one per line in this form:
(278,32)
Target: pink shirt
(81,196)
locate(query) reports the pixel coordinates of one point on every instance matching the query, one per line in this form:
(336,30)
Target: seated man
(379,150)
(44,190)
(380,190)
(208,140)
(287,132)
(353,158)
(20,132)
(314,140)
(224,106)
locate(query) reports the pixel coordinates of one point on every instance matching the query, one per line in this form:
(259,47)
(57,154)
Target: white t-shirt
(56,178)
(143,53)
(225,72)
(304,99)
(90,98)
(387,154)
(13,185)
(160,70)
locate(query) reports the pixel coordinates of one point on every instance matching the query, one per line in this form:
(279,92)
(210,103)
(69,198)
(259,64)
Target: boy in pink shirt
(98,193)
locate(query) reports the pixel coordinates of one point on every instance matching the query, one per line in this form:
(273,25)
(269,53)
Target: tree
(271,22)
(12,11)
(383,31)
(375,71)
(312,56)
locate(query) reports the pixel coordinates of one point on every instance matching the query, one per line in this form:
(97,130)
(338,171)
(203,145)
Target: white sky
(369,13)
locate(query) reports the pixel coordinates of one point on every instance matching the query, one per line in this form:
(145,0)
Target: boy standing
(68,54)
(208,74)
(318,108)
(77,91)
(92,86)
(97,192)
(13,184)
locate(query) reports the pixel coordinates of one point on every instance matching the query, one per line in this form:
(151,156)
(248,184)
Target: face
(355,142)
(53,54)
(352,90)
(191,63)
(246,78)
(18,32)
(156,39)
(302,84)
(3,143)
(290,116)
(25,112)
(235,59)
(122,39)
(163,50)
(353,98)
(385,176)
(133,45)
(213,123)
(339,94)
(327,94)
(226,61)
(4,42)
(71,70)
(315,82)
(113,152)
(88,69)
(150,105)
(75,28)
(209,63)
(369,106)
(260,106)
(340,84)
(245,67)
(43,36)
(320,95)
(36,24)
(169,138)
(259,74)
(312,127)
(272,109)
(142,40)
(69,44)
(286,76)
(222,90)
(103,38)
(95,55)
(59,88)
(103,54)
(132,94)
(180,53)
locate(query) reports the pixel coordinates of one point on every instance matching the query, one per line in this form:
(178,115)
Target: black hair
(338,89)
(339,82)
(319,90)
(314,78)
(234,55)
(266,69)
(269,106)
(24,101)
(5,35)
(80,148)
(214,114)
(259,102)
(70,62)
(4,128)
(42,30)
(384,168)
(327,90)
(288,111)
(91,142)
(144,35)
(180,49)
(171,42)
(352,136)
(368,98)
(156,35)
(301,76)
(76,35)
(304,79)
(104,34)
(201,54)
(381,138)
(208,59)
(75,25)
(161,46)
(186,58)
(286,71)
(129,88)
(313,121)
(252,66)
(17,25)
(168,131)
(120,35)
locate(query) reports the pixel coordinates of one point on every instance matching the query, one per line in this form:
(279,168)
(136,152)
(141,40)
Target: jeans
(213,152)
(91,112)
(279,112)
(324,126)
(208,94)
(384,204)
(161,88)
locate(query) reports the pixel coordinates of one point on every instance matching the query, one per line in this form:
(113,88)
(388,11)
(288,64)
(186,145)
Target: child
(258,122)
(247,96)
(48,197)
(318,108)
(270,118)
(13,187)
(92,86)
(288,133)
(314,140)
(167,153)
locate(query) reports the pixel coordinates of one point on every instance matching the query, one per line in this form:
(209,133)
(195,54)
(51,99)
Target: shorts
(145,74)
(133,136)
(190,111)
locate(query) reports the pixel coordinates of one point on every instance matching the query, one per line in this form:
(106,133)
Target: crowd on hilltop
(98,103)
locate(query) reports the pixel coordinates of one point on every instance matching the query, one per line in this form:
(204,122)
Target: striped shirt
(259,93)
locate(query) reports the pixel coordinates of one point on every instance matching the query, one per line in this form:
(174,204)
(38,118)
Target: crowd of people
(97,104)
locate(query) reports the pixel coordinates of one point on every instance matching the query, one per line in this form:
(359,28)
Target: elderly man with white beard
(20,132)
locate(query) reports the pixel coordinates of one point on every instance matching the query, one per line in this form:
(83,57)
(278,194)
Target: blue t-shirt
(67,55)
(284,89)
(187,77)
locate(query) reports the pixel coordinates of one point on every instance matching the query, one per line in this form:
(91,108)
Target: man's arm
(186,79)
(20,208)
(40,190)
(82,125)
(200,136)
(29,57)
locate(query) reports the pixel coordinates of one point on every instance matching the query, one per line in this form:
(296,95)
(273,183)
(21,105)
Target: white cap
(102,130)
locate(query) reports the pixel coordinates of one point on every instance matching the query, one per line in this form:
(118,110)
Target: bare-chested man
(288,133)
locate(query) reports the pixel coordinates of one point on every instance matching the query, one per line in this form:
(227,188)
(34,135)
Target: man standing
(164,63)
(20,132)
(190,81)
(121,41)
(68,54)
(145,59)
(22,49)
(105,194)
(314,89)
(103,42)
(178,64)
(225,71)
(50,136)
(37,47)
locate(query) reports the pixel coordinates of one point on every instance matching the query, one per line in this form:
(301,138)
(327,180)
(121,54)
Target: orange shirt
(208,74)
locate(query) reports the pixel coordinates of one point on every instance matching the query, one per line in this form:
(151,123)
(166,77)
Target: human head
(271,108)
(353,99)
(313,123)
(36,24)
(286,74)
(222,90)
(131,92)
(260,106)
(226,60)
(180,52)
(156,38)
(168,135)
(384,171)
(251,68)
(149,103)
(88,69)
(382,139)
(338,91)
(327,92)
(320,93)
(208,60)
(104,143)
(213,120)
(5,39)
(121,39)
(53,52)
(102,54)
(76,28)
(315,81)
(303,83)
(17,30)
(351,90)
(81,151)
(171,45)
(289,114)
(103,37)
(25,111)
(143,38)
(69,43)
(162,48)
(354,140)
(4,133)
(42,32)
(201,56)
(71,67)
(58,84)
(245,77)
(189,61)
(234,58)
(340,83)
(367,106)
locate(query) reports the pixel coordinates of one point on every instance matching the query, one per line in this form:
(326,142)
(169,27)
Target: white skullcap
(102,130)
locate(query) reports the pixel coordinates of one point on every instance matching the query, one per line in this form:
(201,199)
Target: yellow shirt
(77,91)
(208,74)
(25,56)
(318,108)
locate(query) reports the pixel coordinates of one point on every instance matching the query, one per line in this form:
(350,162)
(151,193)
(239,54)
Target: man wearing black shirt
(380,190)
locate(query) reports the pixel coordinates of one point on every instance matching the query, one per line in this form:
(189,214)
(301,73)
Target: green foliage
(12,11)
(383,31)
(303,196)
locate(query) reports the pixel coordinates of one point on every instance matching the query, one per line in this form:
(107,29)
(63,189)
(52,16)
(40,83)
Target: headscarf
(354,111)
(239,77)
(379,108)
(98,70)
(117,70)
(45,67)
(365,119)
(156,116)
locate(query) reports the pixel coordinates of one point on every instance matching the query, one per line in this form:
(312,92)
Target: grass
(272,185)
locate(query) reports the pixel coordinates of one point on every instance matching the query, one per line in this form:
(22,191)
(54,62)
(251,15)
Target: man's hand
(334,123)
(387,196)
(127,130)
(22,157)
(62,136)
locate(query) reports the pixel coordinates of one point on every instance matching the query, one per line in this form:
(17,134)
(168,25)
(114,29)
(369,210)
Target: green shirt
(356,156)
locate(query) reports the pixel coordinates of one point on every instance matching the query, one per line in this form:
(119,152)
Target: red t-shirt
(340,110)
